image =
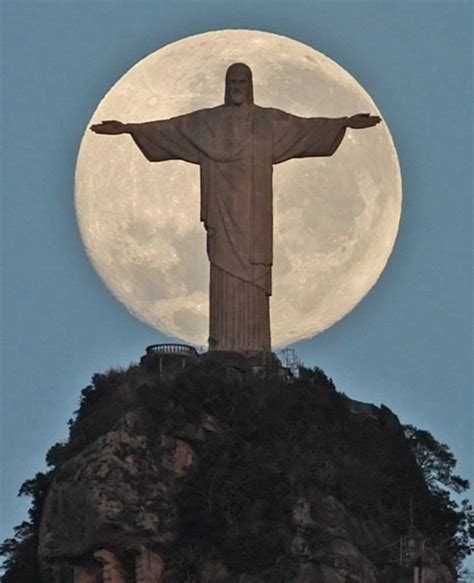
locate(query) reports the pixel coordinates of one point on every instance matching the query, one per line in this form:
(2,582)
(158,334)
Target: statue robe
(236,148)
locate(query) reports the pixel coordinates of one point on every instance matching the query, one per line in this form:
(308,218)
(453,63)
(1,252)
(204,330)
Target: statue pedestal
(262,363)
(245,360)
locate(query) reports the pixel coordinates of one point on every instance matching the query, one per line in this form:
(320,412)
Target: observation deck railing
(177,349)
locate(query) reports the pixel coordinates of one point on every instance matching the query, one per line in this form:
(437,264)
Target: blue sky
(407,345)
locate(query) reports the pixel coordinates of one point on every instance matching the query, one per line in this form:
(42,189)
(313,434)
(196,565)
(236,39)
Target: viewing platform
(181,349)
(169,359)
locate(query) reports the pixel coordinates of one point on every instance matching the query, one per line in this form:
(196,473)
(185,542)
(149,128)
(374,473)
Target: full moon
(335,218)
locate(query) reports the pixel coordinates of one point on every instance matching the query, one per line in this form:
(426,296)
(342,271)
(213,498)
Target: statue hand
(110,127)
(363,120)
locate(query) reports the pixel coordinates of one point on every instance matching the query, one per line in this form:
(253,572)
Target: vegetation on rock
(264,446)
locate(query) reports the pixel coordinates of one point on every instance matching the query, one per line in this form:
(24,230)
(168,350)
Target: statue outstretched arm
(110,127)
(298,137)
(158,141)
(362,120)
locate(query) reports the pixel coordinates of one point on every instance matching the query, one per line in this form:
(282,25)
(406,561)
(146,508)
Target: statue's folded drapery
(236,149)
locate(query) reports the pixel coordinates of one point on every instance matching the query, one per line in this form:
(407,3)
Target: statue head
(238,85)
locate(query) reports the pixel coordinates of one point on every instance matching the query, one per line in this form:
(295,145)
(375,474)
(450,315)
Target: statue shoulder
(264,111)
(197,114)
(278,113)
(212,112)
(200,119)
(272,114)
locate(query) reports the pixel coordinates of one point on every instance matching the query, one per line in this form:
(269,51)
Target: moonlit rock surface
(335,219)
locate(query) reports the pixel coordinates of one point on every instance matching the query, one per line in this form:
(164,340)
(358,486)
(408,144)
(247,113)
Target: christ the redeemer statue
(236,145)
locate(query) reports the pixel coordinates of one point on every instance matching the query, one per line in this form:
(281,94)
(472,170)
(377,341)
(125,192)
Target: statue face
(238,83)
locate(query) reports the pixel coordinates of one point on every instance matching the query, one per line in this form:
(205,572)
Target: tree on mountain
(435,460)
(437,463)
(20,552)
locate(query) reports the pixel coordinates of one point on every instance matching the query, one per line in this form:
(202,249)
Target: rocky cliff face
(217,475)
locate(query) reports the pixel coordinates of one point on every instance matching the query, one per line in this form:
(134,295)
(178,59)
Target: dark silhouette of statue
(236,145)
